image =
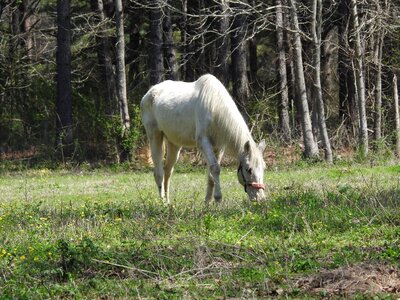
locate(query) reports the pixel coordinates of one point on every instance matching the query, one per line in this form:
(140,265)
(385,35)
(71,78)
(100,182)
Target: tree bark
(241,89)
(316,35)
(169,47)
(121,82)
(345,72)
(64,135)
(310,146)
(156,40)
(121,76)
(134,49)
(397,114)
(194,47)
(222,44)
(26,26)
(283,104)
(106,60)
(378,87)
(360,83)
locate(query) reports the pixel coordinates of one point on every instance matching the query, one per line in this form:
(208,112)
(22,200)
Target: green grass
(102,233)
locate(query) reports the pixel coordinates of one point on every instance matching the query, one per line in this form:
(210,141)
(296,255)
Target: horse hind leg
(157,154)
(171,159)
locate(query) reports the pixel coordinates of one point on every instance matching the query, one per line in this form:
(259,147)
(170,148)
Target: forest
(315,73)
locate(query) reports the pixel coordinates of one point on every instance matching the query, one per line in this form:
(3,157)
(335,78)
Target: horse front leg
(210,187)
(210,181)
(213,169)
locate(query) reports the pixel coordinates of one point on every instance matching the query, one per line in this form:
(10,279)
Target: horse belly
(178,127)
(179,138)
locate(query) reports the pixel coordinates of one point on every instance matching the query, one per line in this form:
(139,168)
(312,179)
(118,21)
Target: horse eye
(249,170)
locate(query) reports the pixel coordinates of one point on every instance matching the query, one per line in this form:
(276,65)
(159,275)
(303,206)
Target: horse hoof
(218,199)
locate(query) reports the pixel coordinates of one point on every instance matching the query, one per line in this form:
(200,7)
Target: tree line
(323,72)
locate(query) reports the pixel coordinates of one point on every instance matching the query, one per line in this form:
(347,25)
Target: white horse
(202,114)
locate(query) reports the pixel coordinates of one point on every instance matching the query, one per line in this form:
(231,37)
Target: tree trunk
(316,35)
(2,5)
(222,44)
(310,146)
(360,83)
(184,39)
(194,47)
(283,104)
(329,75)
(252,44)
(397,114)
(241,89)
(378,87)
(106,60)
(27,28)
(64,136)
(169,47)
(134,49)
(345,72)
(156,39)
(121,79)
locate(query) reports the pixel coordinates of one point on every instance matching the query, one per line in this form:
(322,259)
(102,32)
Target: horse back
(170,108)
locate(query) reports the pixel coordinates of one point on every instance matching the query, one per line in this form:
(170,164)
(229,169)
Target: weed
(103,233)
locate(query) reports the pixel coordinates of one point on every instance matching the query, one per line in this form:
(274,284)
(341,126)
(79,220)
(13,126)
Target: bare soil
(365,279)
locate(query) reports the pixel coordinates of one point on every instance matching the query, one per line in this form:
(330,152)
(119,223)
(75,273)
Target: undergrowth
(95,234)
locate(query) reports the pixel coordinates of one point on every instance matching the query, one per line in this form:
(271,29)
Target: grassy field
(325,231)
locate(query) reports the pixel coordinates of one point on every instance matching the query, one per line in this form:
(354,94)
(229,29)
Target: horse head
(251,170)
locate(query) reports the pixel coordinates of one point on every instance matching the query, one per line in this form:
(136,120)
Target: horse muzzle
(255,191)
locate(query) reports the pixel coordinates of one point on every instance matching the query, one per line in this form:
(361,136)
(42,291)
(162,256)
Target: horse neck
(239,145)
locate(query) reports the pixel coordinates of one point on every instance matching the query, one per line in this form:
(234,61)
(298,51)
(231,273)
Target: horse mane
(228,129)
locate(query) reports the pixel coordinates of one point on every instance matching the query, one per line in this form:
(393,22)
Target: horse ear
(247,147)
(262,145)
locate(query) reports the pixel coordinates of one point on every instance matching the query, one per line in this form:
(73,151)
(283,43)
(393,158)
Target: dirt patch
(366,279)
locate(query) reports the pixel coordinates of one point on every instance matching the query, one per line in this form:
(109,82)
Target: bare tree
(378,87)
(310,146)
(169,46)
(156,42)
(252,45)
(121,77)
(194,47)
(360,82)
(241,88)
(316,37)
(105,58)
(378,35)
(283,104)
(134,47)
(64,133)
(345,71)
(222,43)
(397,114)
